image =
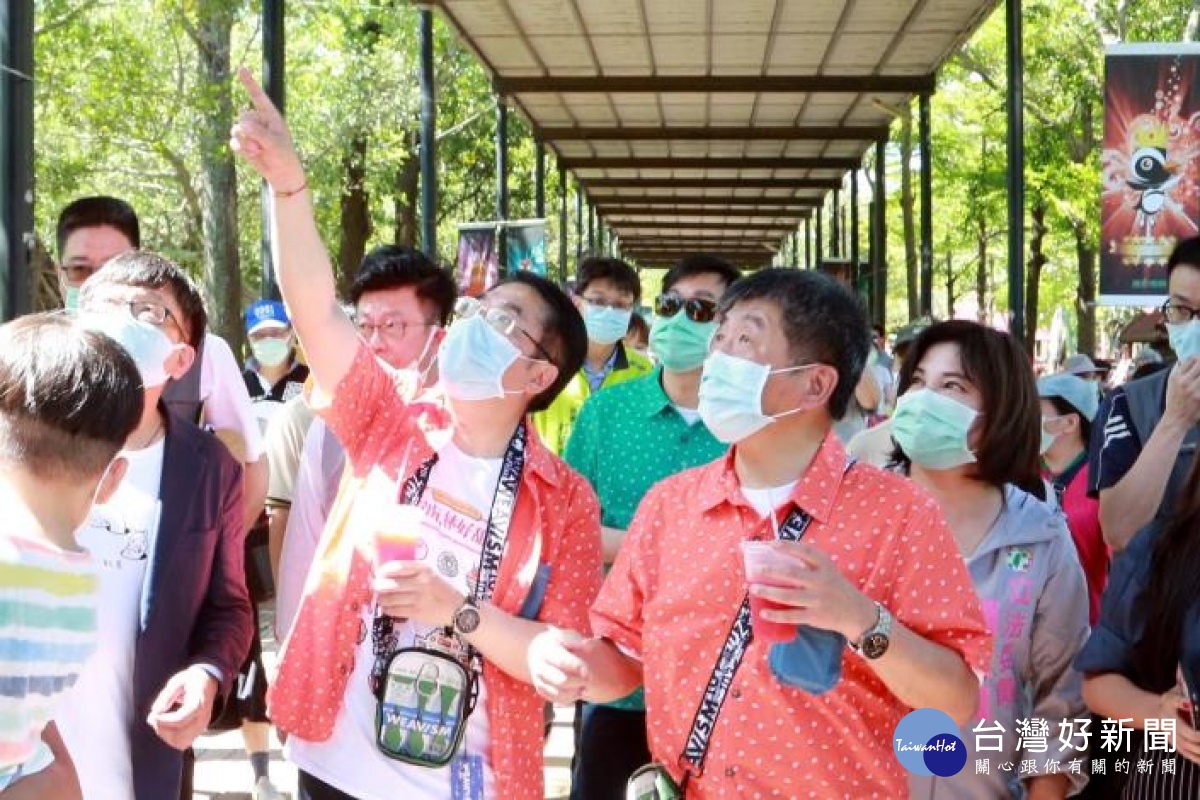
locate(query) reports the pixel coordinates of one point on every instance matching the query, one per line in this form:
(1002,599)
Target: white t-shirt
(764,501)
(315,491)
(456,504)
(690,415)
(227,404)
(94,718)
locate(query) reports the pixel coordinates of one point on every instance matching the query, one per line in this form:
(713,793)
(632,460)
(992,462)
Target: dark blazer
(195,608)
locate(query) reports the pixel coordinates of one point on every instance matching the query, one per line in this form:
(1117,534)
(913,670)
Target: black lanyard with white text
(504,501)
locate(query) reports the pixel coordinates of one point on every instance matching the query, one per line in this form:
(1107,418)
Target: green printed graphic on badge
(1018,559)
(422,715)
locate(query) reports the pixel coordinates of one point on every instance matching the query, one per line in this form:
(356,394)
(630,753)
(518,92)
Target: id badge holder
(422,708)
(652,782)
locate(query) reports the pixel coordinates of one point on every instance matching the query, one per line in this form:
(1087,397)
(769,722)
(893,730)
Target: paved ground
(223,770)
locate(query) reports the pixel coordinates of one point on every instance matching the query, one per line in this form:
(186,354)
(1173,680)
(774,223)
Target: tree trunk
(981,268)
(407,195)
(355,212)
(911,265)
(1085,305)
(1037,260)
(950,297)
(218,180)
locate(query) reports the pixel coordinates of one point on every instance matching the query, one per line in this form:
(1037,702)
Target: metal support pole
(879,240)
(16,159)
(591,232)
(795,237)
(274,58)
(854,254)
(926,305)
(820,225)
(578,224)
(502,180)
(563,222)
(808,264)
(1016,171)
(835,226)
(428,138)
(539,181)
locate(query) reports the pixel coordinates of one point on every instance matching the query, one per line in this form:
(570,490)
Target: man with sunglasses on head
(606,291)
(1145,433)
(626,439)
(496,540)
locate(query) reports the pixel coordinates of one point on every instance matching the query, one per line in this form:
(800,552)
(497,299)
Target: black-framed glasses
(388,327)
(501,320)
(1177,312)
(697,309)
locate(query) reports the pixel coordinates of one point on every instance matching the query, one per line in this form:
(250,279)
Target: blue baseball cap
(263,314)
(1080,394)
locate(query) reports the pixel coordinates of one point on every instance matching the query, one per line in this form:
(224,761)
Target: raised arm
(305,271)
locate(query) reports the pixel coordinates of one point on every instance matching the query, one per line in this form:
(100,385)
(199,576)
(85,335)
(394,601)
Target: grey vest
(1146,405)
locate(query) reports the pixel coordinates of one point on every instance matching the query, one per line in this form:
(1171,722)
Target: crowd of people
(746,543)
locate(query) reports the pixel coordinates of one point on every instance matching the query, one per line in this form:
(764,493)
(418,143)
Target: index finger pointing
(257,95)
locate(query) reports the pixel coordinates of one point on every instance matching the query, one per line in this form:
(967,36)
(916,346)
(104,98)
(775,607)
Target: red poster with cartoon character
(1151,173)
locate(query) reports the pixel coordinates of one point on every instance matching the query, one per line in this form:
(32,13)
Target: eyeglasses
(388,327)
(1177,312)
(501,320)
(603,302)
(697,309)
(149,311)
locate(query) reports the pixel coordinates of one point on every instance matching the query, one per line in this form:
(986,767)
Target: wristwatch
(466,618)
(875,640)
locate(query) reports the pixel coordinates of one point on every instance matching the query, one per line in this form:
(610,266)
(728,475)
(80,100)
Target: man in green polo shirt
(606,290)
(625,440)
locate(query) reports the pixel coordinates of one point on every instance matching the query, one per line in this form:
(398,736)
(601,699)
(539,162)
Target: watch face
(467,619)
(875,645)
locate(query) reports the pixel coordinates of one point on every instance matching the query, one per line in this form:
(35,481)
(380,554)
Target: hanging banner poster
(478,262)
(1151,171)
(525,240)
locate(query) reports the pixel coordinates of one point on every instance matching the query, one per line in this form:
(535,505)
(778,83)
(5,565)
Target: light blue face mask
(932,429)
(147,345)
(473,359)
(1184,338)
(680,344)
(271,352)
(71,298)
(606,325)
(731,391)
(1048,438)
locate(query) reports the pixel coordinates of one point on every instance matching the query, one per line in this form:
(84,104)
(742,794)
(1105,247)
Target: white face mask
(731,390)
(147,345)
(473,359)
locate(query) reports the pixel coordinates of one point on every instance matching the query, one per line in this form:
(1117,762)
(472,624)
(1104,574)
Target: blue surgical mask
(473,359)
(1184,338)
(71,298)
(1048,438)
(932,429)
(680,344)
(147,345)
(606,325)
(731,391)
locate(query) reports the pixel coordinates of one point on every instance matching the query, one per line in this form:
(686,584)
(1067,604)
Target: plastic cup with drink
(759,557)
(396,535)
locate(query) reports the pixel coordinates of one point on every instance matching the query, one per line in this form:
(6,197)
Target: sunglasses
(697,309)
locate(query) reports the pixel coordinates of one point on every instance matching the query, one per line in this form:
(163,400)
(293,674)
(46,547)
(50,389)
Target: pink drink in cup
(758,556)
(397,534)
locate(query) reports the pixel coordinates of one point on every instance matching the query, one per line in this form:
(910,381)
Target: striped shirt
(47,632)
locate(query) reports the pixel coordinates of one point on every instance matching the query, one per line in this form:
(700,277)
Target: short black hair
(565,337)
(1186,253)
(69,397)
(877,329)
(147,270)
(1062,408)
(638,327)
(92,212)
(393,266)
(822,320)
(700,264)
(614,270)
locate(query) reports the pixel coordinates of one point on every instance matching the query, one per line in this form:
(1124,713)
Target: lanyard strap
(732,652)
(504,501)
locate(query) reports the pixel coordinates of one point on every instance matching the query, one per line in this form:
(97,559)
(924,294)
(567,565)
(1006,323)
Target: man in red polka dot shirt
(895,622)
